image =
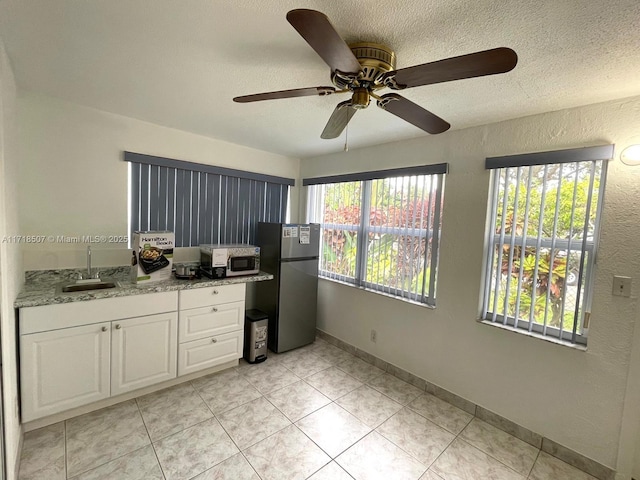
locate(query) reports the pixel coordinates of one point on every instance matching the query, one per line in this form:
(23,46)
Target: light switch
(622,286)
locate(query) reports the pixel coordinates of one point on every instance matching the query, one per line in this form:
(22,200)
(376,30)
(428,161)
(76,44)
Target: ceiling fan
(364,68)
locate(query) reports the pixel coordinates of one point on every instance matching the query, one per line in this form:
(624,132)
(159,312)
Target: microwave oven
(229,260)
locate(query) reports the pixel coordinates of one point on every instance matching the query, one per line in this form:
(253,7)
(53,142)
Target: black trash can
(256,324)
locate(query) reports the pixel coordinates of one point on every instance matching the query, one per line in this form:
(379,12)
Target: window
(381,230)
(202,203)
(543,230)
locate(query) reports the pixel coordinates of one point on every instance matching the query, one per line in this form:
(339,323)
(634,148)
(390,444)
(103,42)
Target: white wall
(11,277)
(73,180)
(572,397)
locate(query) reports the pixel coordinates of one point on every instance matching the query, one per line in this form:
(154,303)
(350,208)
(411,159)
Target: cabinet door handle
(215,309)
(118,326)
(215,292)
(213,340)
(104,329)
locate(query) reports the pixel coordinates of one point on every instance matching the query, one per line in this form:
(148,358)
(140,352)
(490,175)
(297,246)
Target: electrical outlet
(621,286)
(374,336)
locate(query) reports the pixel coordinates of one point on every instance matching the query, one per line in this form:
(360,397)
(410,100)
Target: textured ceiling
(179,63)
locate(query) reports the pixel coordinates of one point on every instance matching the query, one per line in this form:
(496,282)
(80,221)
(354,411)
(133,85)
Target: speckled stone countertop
(42,286)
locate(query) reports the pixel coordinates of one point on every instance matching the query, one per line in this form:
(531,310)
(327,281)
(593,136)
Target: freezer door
(300,241)
(298,300)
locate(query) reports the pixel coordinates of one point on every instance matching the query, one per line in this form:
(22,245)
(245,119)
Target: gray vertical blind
(201,206)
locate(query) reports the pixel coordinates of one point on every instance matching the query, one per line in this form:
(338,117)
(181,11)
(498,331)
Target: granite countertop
(41,286)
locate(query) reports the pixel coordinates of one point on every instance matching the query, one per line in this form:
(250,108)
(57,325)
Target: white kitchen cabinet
(63,369)
(211,327)
(77,353)
(143,351)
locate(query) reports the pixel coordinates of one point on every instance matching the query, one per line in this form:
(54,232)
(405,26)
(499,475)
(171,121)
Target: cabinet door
(209,352)
(143,351)
(63,369)
(204,322)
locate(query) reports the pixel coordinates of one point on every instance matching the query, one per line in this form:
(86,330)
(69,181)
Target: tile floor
(315,413)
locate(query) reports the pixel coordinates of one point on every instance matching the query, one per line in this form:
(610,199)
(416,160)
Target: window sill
(557,341)
(368,290)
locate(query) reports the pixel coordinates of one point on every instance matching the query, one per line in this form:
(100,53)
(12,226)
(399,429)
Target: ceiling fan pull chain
(346,138)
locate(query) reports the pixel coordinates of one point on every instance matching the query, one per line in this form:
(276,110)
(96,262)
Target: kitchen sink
(84,287)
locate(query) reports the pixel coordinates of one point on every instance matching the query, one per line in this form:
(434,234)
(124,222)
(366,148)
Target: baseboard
(599,471)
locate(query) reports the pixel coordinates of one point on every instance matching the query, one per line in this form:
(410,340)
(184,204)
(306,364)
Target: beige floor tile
(104,435)
(268,377)
(303,363)
(252,422)
(225,391)
(441,413)
(376,458)
(43,454)
(331,471)
(416,435)
(138,465)
(333,429)
(194,450)
(333,383)
(359,369)
(461,461)
(394,388)
(297,400)
(233,468)
(172,410)
(551,468)
(429,475)
(286,455)
(514,453)
(370,406)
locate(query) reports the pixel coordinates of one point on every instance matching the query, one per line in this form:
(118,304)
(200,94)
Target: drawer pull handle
(215,309)
(213,340)
(104,329)
(215,292)
(118,326)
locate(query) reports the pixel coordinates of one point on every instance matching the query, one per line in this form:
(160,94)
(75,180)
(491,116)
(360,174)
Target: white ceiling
(180,62)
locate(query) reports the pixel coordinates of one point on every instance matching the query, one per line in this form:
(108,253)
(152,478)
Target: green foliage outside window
(543,288)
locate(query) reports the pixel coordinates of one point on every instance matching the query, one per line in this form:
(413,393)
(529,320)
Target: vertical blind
(544,217)
(381,229)
(201,203)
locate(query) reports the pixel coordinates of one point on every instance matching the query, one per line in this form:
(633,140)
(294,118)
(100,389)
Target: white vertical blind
(543,230)
(381,234)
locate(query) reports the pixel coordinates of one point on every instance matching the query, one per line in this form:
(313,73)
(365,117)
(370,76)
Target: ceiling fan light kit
(364,68)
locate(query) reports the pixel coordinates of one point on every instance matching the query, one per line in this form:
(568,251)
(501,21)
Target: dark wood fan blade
(297,92)
(317,30)
(338,120)
(413,113)
(488,62)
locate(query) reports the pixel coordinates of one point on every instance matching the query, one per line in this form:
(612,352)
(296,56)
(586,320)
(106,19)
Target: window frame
(364,228)
(585,247)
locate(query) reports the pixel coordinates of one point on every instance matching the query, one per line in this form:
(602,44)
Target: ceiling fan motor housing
(375,59)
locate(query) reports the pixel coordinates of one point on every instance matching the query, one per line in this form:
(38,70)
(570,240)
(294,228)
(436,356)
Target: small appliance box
(152,256)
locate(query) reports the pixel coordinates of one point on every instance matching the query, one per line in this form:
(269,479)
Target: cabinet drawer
(197,323)
(74,314)
(209,352)
(203,297)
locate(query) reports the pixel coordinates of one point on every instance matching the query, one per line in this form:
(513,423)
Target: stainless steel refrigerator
(289,252)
